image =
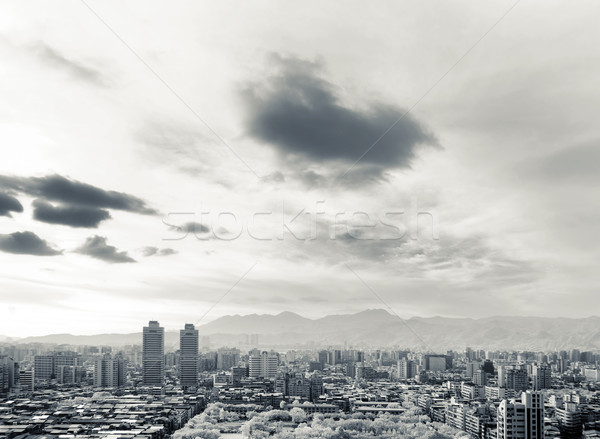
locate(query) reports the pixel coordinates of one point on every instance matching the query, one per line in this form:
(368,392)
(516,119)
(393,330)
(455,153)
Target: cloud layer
(97,247)
(302,115)
(9,204)
(26,243)
(73,216)
(155,251)
(56,59)
(61,189)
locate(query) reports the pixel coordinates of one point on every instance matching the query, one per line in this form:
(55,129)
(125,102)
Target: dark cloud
(152,251)
(301,114)
(58,188)
(73,216)
(9,204)
(97,247)
(26,243)
(77,69)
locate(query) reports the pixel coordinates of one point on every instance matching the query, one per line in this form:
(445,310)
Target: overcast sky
(160,158)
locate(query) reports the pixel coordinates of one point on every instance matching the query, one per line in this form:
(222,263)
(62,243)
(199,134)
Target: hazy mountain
(6,339)
(376,328)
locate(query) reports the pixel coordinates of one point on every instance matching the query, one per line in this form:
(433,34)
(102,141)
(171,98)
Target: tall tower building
(188,356)
(153,354)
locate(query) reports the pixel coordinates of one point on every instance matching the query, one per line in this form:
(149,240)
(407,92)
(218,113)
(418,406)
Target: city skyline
(370,328)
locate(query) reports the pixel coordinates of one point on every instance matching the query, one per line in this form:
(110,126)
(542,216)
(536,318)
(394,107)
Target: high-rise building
(407,369)
(541,377)
(336,357)
(227,358)
(46,367)
(323,358)
(298,385)
(316,387)
(9,373)
(522,420)
(480,377)
(153,356)
(68,374)
(511,377)
(435,362)
(472,366)
(188,356)
(570,421)
(43,366)
(109,371)
(575,355)
(469,354)
(488,367)
(263,365)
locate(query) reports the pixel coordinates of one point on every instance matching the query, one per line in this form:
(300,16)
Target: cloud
(149,251)
(301,114)
(26,243)
(9,204)
(96,247)
(191,227)
(53,57)
(166,252)
(58,188)
(73,216)
(152,251)
(274,177)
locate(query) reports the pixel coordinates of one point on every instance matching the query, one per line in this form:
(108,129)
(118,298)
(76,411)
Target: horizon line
(11,338)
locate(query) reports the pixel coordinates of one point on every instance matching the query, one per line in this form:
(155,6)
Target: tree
(298,415)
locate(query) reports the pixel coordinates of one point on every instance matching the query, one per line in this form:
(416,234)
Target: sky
(183,161)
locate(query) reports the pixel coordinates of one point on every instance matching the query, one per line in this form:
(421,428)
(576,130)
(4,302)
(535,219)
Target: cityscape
(197,389)
(333,219)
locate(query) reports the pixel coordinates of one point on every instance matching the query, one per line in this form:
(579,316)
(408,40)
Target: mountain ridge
(376,328)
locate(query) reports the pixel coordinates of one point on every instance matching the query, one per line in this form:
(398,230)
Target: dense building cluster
(150,390)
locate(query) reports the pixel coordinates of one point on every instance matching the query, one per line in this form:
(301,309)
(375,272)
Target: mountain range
(373,328)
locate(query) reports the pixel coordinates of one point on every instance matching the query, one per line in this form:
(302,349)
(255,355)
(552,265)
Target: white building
(263,365)
(522,420)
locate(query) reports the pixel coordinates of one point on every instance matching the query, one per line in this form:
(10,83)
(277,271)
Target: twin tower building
(153,355)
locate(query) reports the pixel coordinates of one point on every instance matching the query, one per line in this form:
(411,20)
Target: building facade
(153,354)
(188,359)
